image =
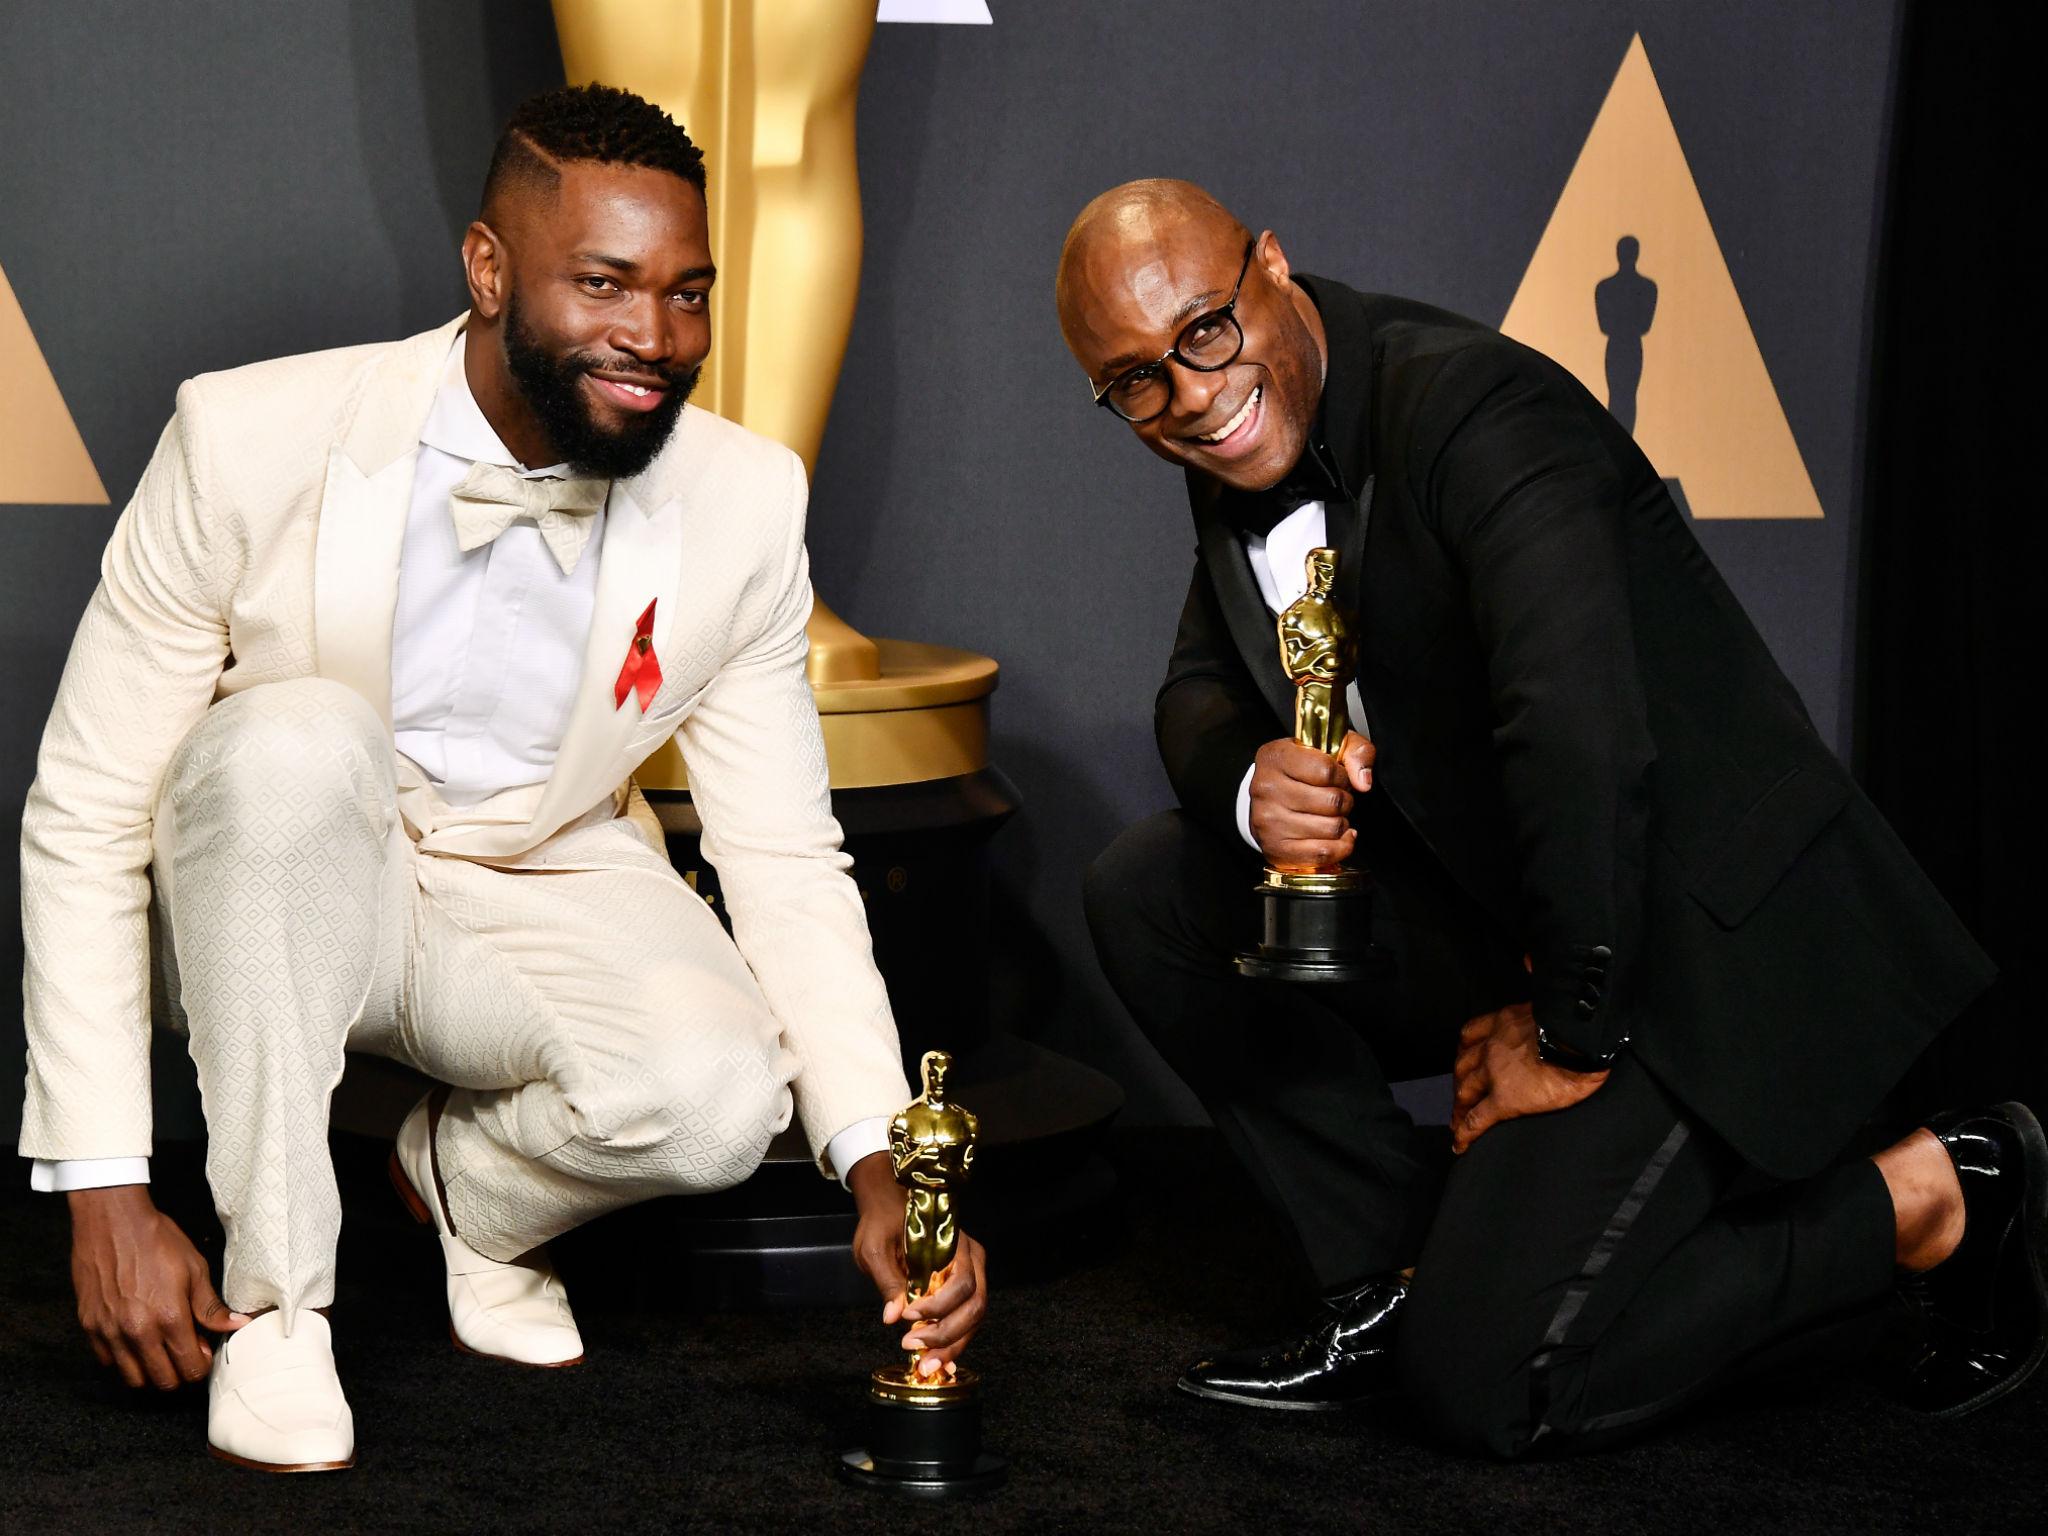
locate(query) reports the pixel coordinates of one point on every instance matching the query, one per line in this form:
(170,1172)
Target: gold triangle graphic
(42,458)
(1662,321)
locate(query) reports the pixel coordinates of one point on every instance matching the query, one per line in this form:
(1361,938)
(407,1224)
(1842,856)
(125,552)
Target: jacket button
(1586,1009)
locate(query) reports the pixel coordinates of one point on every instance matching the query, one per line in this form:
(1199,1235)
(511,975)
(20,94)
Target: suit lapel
(363,508)
(1345,527)
(1244,609)
(640,562)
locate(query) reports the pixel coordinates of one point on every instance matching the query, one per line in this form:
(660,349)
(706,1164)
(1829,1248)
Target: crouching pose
(346,737)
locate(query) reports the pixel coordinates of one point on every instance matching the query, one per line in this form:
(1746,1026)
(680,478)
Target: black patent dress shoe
(1984,1309)
(1348,1358)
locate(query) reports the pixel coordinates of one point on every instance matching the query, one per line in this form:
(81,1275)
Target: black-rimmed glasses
(1206,343)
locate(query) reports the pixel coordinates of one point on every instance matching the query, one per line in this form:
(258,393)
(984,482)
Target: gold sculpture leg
(768,90)
(1316,921)
(924,1432)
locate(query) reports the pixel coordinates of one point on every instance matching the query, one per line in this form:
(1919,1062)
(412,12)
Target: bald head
(1146,261)
(1126,221)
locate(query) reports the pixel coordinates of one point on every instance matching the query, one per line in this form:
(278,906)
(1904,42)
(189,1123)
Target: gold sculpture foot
(902,1384)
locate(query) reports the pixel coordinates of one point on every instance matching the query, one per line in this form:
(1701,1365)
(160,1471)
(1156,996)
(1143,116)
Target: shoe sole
(278,1466)
(1194,1389)
(420,1214)
(2034,1233)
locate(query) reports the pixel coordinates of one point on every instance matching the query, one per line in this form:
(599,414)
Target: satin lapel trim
(363,508)
(355,573)
(640,562)
(1252,625)
(1347,525)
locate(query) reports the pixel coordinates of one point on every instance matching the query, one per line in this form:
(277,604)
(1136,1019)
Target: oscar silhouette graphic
(1625,304)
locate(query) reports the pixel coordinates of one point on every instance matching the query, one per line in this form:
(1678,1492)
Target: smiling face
(590,317)
(1138,267)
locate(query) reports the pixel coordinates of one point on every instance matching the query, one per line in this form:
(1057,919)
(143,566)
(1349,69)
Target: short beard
(552,389)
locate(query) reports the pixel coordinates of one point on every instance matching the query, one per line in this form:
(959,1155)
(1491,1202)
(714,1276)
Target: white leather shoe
(274,1403)
(517,1311)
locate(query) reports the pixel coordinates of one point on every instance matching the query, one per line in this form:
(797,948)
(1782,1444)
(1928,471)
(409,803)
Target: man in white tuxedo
(344,746)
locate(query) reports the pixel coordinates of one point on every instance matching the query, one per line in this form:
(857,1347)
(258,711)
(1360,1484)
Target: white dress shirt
(486,656)
(1279,564)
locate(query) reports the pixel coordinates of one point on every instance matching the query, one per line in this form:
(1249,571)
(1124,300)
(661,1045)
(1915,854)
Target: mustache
(593,362)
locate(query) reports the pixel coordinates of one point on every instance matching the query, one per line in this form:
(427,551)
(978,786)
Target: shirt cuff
(861,1139)
(1244,808)
(54,1176)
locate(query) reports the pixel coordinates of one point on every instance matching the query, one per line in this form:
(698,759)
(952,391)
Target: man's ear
(484,267)
(1270,257)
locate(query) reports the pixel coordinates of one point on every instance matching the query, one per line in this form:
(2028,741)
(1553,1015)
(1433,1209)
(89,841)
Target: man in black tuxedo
(1673,956)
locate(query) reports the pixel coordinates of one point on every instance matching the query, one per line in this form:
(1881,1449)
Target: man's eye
(1202,332)
(691,298)
(595,284)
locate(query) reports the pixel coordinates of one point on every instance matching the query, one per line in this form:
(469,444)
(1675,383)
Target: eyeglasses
(1205,344)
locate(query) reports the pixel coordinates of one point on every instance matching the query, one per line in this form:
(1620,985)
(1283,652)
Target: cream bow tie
(491,498)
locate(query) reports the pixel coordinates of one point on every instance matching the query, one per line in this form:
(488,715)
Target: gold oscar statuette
(924,1432)
(1316,917)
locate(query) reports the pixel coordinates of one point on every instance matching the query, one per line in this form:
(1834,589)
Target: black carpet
(727,1422)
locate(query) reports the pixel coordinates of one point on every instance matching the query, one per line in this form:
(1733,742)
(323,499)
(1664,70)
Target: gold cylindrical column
(768,89)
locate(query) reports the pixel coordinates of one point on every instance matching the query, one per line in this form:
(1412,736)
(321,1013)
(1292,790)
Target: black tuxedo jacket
(1580,732)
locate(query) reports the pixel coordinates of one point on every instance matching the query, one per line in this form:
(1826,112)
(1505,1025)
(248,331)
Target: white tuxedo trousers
(605,1039)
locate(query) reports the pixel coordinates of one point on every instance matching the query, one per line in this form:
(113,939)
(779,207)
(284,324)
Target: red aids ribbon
(642,672)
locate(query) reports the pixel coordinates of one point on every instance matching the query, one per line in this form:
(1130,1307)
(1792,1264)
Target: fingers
(190,1355)
(957,1283)
(1357,757)
(149,1350)
(1287,759)
(1477,1030)
(1310,853)
(208,1310)
(1476,1122)
(1471,1088)
(125,1362)
(956,1310)
(1318,801)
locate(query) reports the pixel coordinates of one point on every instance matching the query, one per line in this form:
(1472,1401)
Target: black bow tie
(1310,480)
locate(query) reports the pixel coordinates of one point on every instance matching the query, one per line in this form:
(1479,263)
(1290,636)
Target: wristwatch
(1560,1055)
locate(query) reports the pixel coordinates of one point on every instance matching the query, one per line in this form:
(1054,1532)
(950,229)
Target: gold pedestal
(924,715)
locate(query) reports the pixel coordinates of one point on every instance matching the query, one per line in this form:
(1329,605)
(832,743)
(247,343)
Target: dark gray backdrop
(190,187)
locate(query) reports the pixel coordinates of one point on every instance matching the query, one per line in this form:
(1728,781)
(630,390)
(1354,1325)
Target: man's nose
(643,331)
(1193,389)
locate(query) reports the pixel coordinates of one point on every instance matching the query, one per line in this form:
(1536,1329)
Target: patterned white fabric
(262,546)
(607,1040)
(491,498)
(486,647)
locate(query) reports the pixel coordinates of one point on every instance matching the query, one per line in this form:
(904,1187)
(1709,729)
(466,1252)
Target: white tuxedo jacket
(263,544)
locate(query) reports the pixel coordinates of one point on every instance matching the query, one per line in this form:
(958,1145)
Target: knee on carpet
(1469,1377)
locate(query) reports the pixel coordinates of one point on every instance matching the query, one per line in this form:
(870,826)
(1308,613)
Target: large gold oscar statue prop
(924,1432)
(1316,921)
(767,89)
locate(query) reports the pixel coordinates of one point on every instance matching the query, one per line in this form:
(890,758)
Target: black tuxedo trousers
(1578,1275)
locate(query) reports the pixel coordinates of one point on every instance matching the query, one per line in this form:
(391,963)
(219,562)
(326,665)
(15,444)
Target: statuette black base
(923,1444)
(1319,932)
